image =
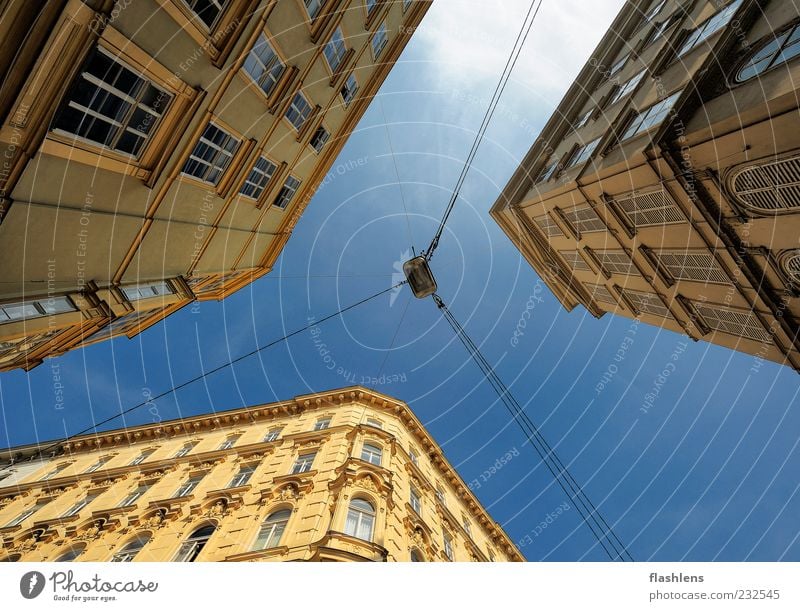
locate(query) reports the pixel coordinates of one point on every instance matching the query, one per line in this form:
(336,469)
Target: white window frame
(211,171)
(303,463)
(264,71)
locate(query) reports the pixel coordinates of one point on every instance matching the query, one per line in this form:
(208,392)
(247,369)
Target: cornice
(268,412)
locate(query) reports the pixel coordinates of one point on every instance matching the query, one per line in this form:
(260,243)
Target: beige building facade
(159,152)
(666,186)
(346,475)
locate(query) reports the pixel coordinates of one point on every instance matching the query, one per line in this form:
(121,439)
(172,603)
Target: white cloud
(468,41)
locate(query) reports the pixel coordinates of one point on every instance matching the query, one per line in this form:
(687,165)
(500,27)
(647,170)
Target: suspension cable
(605,535)
(219,368)
(522,36)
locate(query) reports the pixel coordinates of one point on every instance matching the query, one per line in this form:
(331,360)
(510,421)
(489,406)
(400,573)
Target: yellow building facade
(346,475)
(158,152)
(666,186)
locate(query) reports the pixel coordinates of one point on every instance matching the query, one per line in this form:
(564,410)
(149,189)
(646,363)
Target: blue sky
(704,473)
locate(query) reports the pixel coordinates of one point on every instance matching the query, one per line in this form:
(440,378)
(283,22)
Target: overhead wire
(522,36)
(225,365)
(591,516)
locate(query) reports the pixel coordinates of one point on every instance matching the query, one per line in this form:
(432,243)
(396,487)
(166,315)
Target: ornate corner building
(346,475)
(666,186)
(159,152)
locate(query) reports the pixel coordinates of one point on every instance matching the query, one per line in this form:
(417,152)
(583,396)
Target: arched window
(371,453)
(128,552)
(791,265)
(775,51)
(416,556)
(769,187)
(70,555)
(272,529)
(360,519)
(192,547)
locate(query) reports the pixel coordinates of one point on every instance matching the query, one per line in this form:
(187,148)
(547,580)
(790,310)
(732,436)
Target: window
(416,503)
(299,111)
(548,226)
(650,117)
(25,514)
(242,477)
(211,155)
(780,49)
(128,553)
(141,457)
(77,507)
(791,266)
(304,462)
(448,546)
(413,456)
(349,89)
(258,178)
(617,66)
(709,27)
(648,303)
(34,309)
(548,171)
(584,219)
(416,556)
(379,40)
(601,294)
(70,555)
(97,465)
(187,487)
(371,4)
(207,10)
(319,139)
(616,262)
(740,323)
(335,50)
(465,523)
(584,118)
(263,65)
(700,266)
(55,472)
(440,496)
(184,450)
(659,30)
(574,260)
(144,291)
(371,453)
(286,193)
(360,520)
(313,7)
(134,495)
(627,88)
(582,153)
(322,424)
(191,548)
(111,105)
(374,423)
(769,187)
(272,435)
(654,11)
(652,208)
(228,443)
(272,530)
